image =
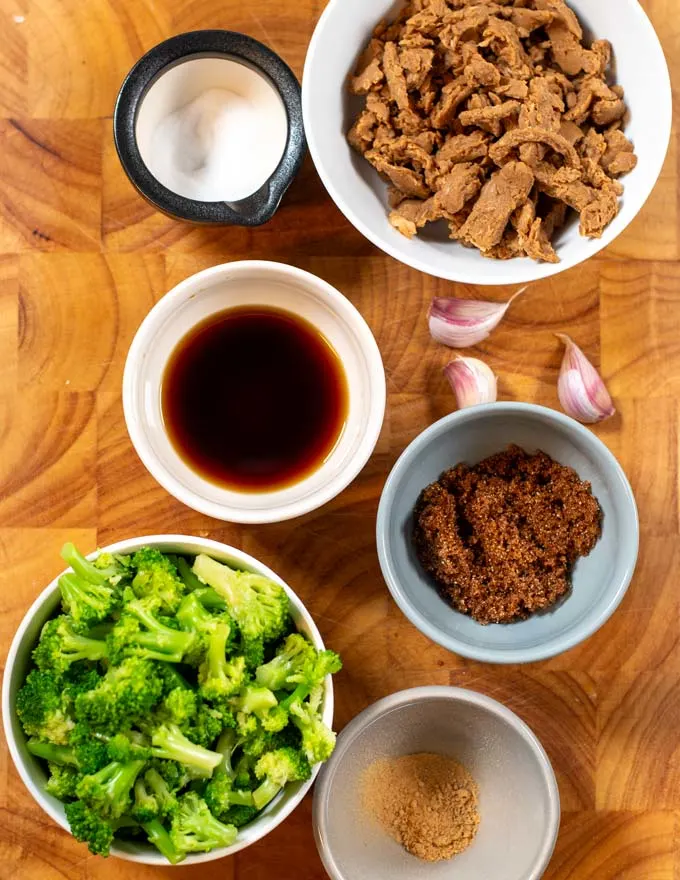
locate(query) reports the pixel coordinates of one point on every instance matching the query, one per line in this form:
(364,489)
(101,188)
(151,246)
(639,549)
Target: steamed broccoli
(153,708)
(218,677)
(160,838)
(60,645)
(43,707)
(195,829)
(141,633)
(277,769)
(62,781)
(90,828)
(123,696)
(157,578)
(108,790)
(295,653)
(262,703)
(169,742)
(258,605)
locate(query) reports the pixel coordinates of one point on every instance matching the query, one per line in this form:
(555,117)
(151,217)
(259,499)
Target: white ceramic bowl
(19,659)
(238,284)
(519,803)
(328,110)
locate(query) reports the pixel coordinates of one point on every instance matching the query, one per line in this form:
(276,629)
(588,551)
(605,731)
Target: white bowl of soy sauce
(254,392)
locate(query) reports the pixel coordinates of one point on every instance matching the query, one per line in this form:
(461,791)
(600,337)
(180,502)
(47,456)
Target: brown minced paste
(426,802)
(500,538)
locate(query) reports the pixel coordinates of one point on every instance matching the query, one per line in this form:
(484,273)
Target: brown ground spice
(501,538)
(427,803)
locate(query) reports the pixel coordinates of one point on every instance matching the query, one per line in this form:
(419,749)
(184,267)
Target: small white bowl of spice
(254,392)
(437,782)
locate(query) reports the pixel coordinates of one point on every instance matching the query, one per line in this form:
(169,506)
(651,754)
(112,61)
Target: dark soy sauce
(254,398)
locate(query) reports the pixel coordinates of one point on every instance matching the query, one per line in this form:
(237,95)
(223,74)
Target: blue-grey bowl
(599,581)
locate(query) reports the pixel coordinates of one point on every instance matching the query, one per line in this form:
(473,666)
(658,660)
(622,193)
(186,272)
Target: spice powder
(426,802)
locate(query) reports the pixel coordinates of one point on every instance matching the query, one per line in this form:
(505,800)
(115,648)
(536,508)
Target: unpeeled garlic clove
(472,381)
(460,323)
(580,388)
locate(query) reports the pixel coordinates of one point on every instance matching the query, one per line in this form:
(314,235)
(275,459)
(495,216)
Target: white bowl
(19,660)
(356,188)
(262,283)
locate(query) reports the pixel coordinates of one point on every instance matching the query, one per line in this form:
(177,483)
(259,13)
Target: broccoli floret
(62,781)
(91,750)
(173,774)
(60,645)
(157,578)
(145,806)
(239,815)
(262,703)
(169,743)
(218,677)
(86,603)
(161,839)
(252,651)
(180,707)
(208,724)
(106,568)
(195,829)
(210,598)
(139,632)
(125,695)
(258,605)
(108,790)
(42,707)
(130,746)
(244,773)
(291,658)
(318,740)
(194,618)
(277,769)
(312,675)
(159,788)
(88,827)
(220,795)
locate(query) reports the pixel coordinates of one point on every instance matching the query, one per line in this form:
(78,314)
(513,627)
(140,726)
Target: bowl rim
(429,693)
(127,546)
(535,271)
(557,644)
(342,307)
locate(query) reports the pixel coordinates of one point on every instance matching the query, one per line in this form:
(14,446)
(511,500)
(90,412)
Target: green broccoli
(293,656)
(106,568)
(157,578)
(318,740)
(210,599)
(262,703)
(195,829)
(88,827)
(208,724)
(43,707)
(160,838)
(159,788)
(220,793)
(219,678)
(107,791)
(258,605)
(277,769)
(130,746)
(312,675)
(60,645)
(139,632)
(194,618)
(90,749)
(125,695)
(169,742)
(53,753)
(180,707)
(191,582)
(239,815)
(62,781)
(145,805)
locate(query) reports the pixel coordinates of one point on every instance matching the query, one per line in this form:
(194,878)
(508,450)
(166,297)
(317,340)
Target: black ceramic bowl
(253,210)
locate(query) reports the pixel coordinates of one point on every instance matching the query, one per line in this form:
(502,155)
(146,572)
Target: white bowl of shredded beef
(487,141)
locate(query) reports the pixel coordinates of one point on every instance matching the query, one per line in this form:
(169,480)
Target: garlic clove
(580,388)
(460,323)
(472,381)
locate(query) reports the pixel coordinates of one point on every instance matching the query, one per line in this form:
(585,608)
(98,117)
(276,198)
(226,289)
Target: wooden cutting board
(83,258)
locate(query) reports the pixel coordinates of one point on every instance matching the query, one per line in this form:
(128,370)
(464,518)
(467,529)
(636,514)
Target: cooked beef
(496,116)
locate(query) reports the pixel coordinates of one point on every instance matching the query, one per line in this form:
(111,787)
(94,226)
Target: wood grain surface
(83,258)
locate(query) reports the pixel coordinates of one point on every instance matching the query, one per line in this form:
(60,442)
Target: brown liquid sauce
(254,398)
